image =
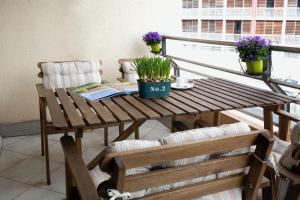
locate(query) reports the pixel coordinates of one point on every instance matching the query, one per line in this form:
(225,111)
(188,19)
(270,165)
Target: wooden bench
(80,185)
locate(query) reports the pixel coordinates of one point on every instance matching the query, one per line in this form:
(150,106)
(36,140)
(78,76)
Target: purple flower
(252,48)
(152,38)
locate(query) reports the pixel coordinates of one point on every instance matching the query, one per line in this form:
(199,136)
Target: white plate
(183,87)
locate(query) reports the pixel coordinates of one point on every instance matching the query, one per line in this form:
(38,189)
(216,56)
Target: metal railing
(273,84)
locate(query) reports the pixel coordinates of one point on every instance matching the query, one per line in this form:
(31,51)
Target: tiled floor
(22,168)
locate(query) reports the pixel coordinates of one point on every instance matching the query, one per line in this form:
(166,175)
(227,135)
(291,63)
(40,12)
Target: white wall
(45,30)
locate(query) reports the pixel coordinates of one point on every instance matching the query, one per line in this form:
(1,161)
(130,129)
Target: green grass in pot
(153,69)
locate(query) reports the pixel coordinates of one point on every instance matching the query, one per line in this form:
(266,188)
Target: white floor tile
(30,170)
(10,189)
(56,153)
(35,193)
(11,140)
(90,153)
(10,158)
(58,183)
(155,134)
(30,145)
(161,126)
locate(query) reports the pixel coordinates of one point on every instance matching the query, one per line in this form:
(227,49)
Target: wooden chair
(45,122)
(80,184)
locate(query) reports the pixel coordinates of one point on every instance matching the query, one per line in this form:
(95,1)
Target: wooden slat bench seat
(116,165)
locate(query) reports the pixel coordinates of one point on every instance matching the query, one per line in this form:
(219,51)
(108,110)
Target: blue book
(97,91)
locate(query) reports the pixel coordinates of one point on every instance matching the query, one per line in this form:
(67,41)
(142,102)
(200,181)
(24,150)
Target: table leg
(137,134)
(47,156)
(93,163)
(268,119)
(217,116)
(106,136)
(284,128)
(42,123)
(78,136)
(121,128)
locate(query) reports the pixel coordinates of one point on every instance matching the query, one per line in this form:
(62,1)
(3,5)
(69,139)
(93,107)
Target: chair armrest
(287,115)
(41,90)
(79,172)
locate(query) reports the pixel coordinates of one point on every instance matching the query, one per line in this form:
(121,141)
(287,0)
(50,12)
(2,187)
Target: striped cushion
(129,74)
(70,74)
(128,145)
(233,194)
(202,134)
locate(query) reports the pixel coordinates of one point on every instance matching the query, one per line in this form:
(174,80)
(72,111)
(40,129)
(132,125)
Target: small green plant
(153,69)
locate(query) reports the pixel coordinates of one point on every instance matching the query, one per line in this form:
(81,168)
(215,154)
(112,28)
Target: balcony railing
(273,83)
(276,85)
(269,12)
(293,13)
(276,39)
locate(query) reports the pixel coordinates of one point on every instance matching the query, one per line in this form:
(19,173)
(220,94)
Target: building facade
(278,20)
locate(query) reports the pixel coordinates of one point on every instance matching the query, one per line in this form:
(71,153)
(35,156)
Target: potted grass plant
(154,76)
(153,40)
(253,50)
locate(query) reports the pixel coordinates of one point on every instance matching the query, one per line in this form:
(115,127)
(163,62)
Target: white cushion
(233,194)
(199,135)
(70,74)
(128,145)
(129,74)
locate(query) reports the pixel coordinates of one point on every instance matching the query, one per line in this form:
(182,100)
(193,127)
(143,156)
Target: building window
(270,3)
(298,4)
(211,26)
(292,28)
(237,27)
(268,27)
(190,3)
(239,3)
(189,25)
(212,3)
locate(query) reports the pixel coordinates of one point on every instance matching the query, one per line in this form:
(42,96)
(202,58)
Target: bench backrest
(250,182)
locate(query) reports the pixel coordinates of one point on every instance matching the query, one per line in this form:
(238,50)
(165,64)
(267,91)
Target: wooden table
(73,113)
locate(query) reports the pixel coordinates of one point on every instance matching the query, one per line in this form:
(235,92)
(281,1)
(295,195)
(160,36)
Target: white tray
(183,87)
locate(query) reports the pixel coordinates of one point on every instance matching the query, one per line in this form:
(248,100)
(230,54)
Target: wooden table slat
(219,95)
(181,105)
(116,110)
(141,107)
(85,109)
(189,102)
(169,106)
(237,91)
(213,97)
(103,113)
(132,111)
(273,95)
(159,109)
(265,97)
(208,99)
(197,100)
(71,111)
(57,116)
(214,88)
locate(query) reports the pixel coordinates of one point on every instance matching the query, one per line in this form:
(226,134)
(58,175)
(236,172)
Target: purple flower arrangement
(151,38)
(252,48)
